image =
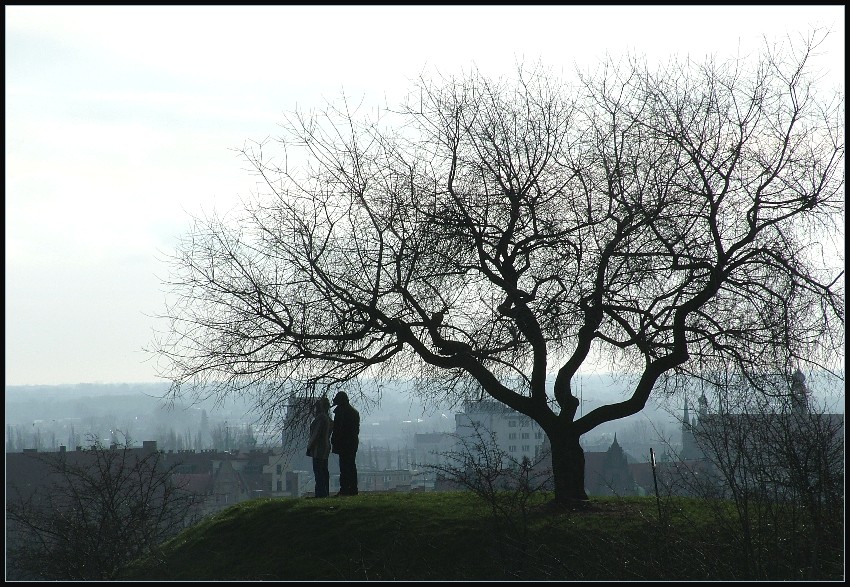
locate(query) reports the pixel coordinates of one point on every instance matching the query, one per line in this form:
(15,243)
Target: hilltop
(454,536)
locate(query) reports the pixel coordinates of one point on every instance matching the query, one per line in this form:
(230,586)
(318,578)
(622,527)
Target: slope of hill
(455,536)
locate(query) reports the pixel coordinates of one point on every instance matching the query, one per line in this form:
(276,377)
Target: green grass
(449,536)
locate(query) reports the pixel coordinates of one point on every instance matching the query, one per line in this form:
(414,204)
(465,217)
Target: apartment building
(515,435)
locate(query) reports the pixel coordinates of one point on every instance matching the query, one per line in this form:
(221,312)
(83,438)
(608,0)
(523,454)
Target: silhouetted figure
(345,439)
(319,445)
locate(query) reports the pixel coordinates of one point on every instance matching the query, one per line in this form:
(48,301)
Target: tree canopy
(488,235)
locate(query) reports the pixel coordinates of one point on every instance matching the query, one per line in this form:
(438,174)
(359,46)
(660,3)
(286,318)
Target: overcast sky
(120,123)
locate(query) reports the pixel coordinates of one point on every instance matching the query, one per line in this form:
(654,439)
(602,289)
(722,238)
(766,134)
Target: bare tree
(488,235)
(95,512)
(511,489)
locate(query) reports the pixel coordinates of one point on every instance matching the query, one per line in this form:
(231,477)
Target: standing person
(319,445)
(344,442)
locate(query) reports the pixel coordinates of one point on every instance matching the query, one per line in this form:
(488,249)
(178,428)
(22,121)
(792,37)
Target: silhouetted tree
(247,439)
(488,235)
(96,511)
(10,438)
(219,435)
(204,433)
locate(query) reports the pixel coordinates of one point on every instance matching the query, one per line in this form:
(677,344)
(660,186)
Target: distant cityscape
(223,454)
(47,417)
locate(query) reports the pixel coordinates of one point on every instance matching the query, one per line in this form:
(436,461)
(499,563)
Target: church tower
(799,393)
(690,448)
(617,477)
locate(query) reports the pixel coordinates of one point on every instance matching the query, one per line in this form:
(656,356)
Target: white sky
(120,123)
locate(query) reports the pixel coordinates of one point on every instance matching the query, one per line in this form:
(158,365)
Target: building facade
(782,448)
(515,435)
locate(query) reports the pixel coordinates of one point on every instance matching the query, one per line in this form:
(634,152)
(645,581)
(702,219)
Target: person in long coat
(319,445)
(345,439)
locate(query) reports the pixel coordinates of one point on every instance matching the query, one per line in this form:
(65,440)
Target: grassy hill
(456,536)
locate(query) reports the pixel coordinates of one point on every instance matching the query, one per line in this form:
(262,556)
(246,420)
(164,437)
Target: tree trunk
(568,468)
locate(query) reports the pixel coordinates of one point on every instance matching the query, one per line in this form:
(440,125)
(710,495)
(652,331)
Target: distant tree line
(219,435)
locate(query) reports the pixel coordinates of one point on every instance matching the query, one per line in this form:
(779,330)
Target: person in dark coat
(345,438)
(319,445)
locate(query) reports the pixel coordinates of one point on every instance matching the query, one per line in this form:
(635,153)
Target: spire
(615,450)
(686,419)
(799,392)
(703,405)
